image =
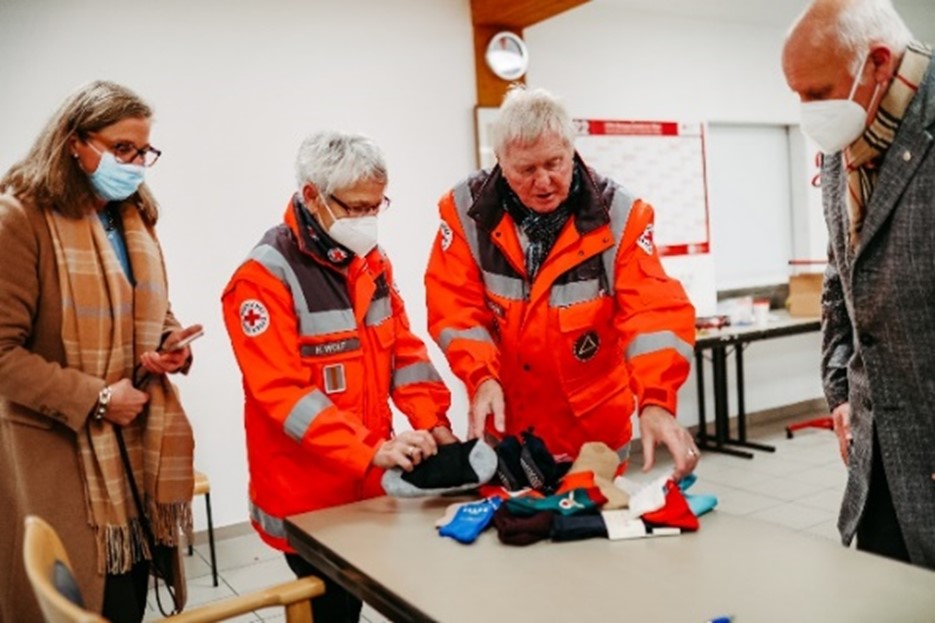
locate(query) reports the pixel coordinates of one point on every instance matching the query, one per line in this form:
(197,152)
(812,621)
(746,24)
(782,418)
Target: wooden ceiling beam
(490,17)
(518,14)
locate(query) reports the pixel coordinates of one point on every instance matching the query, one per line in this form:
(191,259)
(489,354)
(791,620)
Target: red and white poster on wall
(662,163)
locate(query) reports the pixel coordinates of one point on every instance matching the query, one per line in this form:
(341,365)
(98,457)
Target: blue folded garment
(470,520)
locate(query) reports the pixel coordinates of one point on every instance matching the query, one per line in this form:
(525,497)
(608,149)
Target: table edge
(351,578)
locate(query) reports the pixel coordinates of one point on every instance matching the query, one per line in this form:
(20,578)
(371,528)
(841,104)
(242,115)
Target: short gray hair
(858,25)
(335,160)
(863,23)
(527,114)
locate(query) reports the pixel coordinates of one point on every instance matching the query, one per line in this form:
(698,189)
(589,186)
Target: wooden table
(718,341)
(386,552)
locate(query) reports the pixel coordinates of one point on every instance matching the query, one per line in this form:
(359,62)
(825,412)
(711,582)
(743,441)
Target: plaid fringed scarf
(106,325)
(863,156)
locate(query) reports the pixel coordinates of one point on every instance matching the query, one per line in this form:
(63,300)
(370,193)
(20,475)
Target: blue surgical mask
(115,181)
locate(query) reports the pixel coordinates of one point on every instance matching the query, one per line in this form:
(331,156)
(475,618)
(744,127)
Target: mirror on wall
(507,56)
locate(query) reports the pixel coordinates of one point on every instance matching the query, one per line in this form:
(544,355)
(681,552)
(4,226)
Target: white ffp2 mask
(359,234)
(835,124)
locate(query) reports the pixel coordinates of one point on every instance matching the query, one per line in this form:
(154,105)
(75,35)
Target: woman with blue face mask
(84,312)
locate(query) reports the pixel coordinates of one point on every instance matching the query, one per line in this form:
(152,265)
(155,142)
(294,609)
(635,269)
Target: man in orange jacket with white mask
(547,296)
(323,342)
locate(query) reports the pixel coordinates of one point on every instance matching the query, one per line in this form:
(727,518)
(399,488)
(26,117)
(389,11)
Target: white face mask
(836,124)
(359,234)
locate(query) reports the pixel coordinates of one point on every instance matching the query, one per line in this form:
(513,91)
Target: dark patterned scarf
(541,229)
(316,239)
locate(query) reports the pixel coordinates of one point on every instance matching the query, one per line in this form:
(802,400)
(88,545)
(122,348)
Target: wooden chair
(56,590)
(203,487)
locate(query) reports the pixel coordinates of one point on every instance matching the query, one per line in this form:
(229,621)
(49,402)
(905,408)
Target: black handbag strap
(156,561)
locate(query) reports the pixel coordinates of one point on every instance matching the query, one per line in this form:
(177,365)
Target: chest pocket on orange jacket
(335,364)
(591,362)
(589,346)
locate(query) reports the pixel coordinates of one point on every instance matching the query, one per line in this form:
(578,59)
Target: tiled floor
(798,487)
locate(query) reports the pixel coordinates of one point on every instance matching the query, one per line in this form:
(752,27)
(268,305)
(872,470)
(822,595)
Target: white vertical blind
(750,204)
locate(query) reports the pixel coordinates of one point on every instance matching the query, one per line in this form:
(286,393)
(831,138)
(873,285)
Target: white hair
(858,26)
(335,160)
(527,114)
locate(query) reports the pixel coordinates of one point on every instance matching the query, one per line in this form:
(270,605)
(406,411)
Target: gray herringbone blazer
(878,327)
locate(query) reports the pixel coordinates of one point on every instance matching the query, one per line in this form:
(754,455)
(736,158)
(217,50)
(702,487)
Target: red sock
(675,513)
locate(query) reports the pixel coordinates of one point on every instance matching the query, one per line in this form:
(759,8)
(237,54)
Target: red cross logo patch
(336,255)
(645,241)
(254,319)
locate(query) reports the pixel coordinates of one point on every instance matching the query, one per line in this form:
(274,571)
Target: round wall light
(507,56)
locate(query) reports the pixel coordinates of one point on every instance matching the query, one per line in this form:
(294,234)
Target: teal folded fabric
(699,503)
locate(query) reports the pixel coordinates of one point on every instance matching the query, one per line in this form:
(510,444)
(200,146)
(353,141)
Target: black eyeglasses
(128,153)
(363,210)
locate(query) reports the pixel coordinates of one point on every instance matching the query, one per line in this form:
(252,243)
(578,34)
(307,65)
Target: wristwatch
(103,399)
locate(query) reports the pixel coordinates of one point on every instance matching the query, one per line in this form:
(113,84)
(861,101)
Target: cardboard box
(805,295)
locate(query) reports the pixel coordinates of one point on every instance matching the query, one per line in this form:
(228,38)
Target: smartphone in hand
(190,334)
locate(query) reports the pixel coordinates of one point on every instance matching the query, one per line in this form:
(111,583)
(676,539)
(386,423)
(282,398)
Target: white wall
(920,17)
(749,215)
(236,85)
(648,65)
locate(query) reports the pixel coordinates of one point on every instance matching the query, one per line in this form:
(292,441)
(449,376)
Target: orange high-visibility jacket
(322,341)
(600,325)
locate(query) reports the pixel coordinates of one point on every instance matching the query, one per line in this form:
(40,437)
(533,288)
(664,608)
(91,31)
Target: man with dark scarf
(548,298)
(540,229)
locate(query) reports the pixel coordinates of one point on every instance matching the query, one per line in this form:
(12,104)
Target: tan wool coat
(43,407)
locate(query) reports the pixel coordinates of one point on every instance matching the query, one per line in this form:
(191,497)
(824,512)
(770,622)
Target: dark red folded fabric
(513,530)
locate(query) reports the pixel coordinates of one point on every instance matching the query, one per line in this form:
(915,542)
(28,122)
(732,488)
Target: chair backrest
(50,574)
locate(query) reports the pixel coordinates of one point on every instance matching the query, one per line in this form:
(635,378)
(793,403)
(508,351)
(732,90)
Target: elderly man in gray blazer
(868,101)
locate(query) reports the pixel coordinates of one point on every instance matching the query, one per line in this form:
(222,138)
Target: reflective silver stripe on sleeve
(506,287)
(380,310)
(463,202)
(310,323)
(623,452)
(619,215)
(304,412)
(478,334)
(418,372)
(646,343)
(576,292)
(273,526)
